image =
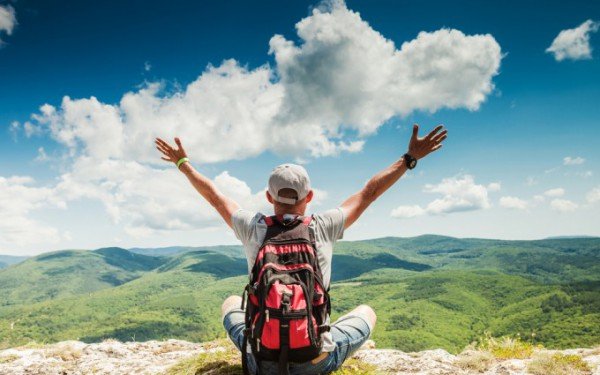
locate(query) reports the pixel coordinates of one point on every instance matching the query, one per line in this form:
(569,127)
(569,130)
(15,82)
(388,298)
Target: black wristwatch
(410,161)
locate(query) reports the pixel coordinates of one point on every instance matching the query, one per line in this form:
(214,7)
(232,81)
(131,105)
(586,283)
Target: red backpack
(286,302)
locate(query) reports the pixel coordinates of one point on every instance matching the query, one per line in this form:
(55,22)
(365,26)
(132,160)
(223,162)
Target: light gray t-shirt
(328,227)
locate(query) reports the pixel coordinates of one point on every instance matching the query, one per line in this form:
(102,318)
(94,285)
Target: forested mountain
(429,291)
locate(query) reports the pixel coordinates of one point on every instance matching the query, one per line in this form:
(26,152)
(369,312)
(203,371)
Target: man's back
(328,227)
(345,335)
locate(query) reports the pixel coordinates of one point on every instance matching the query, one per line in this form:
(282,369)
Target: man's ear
(269,197)
(309,196)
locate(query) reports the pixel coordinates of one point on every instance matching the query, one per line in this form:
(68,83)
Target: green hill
(181,298)
(71,272)
(231,250)
(429,291)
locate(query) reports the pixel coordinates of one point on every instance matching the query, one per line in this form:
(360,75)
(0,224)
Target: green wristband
(181,161)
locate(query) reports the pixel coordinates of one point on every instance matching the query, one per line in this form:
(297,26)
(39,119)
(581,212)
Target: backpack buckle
(286,301)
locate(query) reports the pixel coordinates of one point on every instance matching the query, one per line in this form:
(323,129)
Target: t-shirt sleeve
(331,224)
(243,222)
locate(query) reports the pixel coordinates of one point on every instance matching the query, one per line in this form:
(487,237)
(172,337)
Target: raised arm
(418,148)
(223,204)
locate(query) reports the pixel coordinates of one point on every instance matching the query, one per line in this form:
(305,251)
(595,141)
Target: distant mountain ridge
(429,291)
(233,250)
(7,260)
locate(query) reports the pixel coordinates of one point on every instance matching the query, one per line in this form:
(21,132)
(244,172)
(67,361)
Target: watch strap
(411,161)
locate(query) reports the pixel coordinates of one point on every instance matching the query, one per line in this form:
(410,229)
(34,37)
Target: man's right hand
(420,147)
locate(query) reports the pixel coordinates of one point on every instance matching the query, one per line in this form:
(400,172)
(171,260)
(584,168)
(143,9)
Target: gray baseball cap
(290,176)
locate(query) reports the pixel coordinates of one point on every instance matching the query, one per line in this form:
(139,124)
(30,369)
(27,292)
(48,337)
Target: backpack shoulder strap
(269,220)
(306,220)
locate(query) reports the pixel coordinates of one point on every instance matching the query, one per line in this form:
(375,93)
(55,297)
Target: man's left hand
(420,147)
(170,153)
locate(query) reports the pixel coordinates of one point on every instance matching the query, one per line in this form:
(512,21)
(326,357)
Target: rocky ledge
(176,357)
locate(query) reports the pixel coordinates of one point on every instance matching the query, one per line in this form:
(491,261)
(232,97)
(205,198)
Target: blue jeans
(349,333)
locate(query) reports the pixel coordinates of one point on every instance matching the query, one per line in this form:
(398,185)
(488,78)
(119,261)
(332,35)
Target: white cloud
(319,197)
(593,195)
(18,198)
(149,200)
(563,205)
(357,81)
(8,19)
(147,66)
(574,43)
(344,78)
(458,194)
(41,156)
(539,198)
(556,192)
(407,211)
(494,186)
(143,199)
(573,161)
(513,203)
(585,174)
(346,72)
(530,181)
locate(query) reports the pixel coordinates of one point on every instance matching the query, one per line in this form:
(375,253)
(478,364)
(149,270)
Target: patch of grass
(559,364)
(65,352)
(8,358)
(474,360)
(214,362)
(225,359)
(167,347)
(33,345)
(356,367)
(507,347)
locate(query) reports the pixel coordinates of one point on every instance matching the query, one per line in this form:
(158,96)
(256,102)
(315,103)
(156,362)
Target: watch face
(412,163)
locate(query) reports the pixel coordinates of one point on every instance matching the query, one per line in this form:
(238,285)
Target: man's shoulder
(243,221)
(247,215)
(332,213)
(330,223)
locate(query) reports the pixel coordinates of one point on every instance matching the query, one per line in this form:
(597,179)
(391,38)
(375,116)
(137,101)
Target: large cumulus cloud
(324,95)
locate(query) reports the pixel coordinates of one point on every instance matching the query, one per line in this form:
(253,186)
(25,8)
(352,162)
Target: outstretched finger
(163,143)
(163,150)
(434,131)
(439,145)
(163,158)
(178,141)
(440,137)
(415,131)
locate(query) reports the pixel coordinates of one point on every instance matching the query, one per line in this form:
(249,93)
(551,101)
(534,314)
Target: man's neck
(290,212)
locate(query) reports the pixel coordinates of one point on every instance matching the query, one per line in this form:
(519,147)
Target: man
(289,192)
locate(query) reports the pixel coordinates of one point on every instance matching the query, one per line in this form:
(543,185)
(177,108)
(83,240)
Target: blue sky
(520,162)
